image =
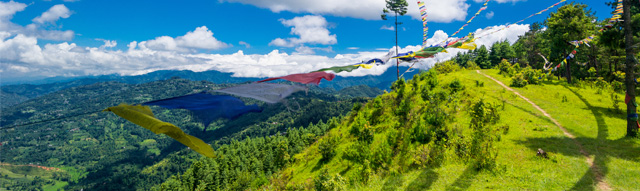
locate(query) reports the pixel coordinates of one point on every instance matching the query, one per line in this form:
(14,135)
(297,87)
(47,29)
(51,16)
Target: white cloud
(247,45)
(439,10)
(53,14)
(353,48)
(490,14)
(108,43)
(8,9)
(304,50)
(21,56)
(201,38)
(311,29)
(385,27)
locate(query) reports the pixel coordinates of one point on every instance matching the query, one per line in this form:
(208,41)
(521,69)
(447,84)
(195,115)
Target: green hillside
(449,131)
(446,137)
(101,151)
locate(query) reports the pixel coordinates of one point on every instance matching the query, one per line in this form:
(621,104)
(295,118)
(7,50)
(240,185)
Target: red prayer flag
(306,78)
(627,99)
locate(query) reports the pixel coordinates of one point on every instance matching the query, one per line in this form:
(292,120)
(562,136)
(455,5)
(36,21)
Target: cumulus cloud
(22,55)
(8,9)
(439,11)
(389,28)
(201,38)
(53,14)
(310,29)
(490,14)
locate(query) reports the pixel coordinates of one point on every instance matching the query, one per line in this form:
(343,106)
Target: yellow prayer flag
(142,116)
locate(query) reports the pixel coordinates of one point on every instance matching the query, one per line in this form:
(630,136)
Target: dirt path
(602,185)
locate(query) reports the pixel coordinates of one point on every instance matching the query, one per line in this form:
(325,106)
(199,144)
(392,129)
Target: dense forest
(99,150)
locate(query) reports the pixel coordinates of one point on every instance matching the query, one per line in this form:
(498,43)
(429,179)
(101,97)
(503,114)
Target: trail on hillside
(602,185)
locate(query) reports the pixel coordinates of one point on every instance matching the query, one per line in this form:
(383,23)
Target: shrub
(532,76)
(327,147)
(471,65)
(505,68)
(382,155)
(326,182)
(456,85)
(446,67)
(518,81)
(483,117)
(357,152)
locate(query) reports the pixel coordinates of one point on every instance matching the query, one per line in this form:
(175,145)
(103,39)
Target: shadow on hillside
(542,117)
(610,112)
(424,180)
(464,180)
(600,147)
(393,183)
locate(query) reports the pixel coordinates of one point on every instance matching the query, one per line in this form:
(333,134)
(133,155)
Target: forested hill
(14,94)
(101,151)
(452,130)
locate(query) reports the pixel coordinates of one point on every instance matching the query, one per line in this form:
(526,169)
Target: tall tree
(570,22)
(398,7)
(630,69)
(482,57)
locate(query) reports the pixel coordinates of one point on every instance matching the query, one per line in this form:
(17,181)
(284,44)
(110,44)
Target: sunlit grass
(584,113)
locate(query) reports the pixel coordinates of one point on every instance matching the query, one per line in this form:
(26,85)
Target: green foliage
(326,146)
(482,58)
(483,117)
(532,76)
(327,182)
(471,65)
(399,7)
(446,67)
(615,100)
(456,86)
(357,152)
(518,80)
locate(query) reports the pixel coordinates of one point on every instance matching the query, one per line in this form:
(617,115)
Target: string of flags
(484,7)
(425,28)
(615,18)
(206,107)
(538,13)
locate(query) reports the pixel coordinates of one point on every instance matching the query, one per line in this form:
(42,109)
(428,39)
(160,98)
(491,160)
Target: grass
(28,173)
(597,126)
(585,114)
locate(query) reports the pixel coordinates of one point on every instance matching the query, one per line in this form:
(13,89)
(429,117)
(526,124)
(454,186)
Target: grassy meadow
(583,111)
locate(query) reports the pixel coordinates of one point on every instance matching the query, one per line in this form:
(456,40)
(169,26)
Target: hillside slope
(445,156)
(101,151)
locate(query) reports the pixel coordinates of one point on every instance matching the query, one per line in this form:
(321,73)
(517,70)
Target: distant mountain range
(18,93)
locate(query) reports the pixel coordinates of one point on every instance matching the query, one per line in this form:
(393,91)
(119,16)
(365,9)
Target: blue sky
(248,37)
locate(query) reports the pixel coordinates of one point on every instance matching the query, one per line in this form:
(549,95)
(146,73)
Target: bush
(505,68)
(357,152)
(382,155)
(326,182)
(471,65)
(518,81)
(483,117)
(327,147)
(532,76)
(446,67)
(456,85)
